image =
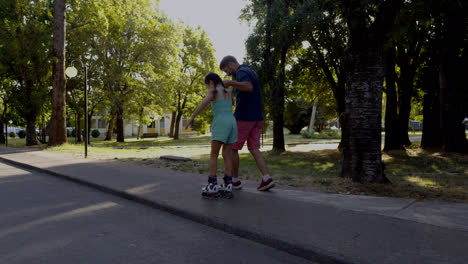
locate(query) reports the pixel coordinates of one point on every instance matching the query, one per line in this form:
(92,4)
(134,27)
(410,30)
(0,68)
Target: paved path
(51,221)
(316,226)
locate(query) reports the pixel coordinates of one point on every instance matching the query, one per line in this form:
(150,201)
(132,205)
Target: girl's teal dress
(224,127)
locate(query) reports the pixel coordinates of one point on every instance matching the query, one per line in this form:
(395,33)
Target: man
(249,118)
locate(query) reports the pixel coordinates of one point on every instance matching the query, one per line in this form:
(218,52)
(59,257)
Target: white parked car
(14,129)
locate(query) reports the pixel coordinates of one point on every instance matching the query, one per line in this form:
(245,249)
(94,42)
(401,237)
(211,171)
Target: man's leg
(253,143)
(260,160)
(235,163)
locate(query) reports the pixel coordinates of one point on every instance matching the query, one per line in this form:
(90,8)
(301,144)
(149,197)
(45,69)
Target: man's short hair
(224,62)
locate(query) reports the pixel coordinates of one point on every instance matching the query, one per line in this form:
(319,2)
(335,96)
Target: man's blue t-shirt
(248,104)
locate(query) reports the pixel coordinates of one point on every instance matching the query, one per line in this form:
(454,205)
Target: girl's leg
(227,156)
(215,146)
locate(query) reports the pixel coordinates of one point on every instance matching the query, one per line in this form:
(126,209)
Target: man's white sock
(266,177)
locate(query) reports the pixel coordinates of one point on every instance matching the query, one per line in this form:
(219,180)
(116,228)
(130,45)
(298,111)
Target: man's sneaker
(266,185)
(210,191)
(225,190)
(237,185)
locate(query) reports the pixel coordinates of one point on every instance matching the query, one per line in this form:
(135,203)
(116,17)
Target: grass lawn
(133,142)
(413,173)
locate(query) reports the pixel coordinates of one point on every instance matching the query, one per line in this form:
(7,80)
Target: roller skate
(211,190)
(226,188)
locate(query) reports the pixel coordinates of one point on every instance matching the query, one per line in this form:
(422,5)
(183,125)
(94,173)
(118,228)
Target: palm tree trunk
(362,151)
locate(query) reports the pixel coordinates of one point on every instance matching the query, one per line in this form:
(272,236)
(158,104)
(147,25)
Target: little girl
(224,133)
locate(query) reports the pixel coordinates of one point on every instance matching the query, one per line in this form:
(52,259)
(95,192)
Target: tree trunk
(431,133)
(177,124)
(452,77)
(362,149)
(278,94)
(110,127)
(173,117)
(2,132)
(362,155)
(58,125)
(120,123)
(30,114)
(312,117)
(180,109)
(31,131)
(392,140)
(405,93)
(2,121)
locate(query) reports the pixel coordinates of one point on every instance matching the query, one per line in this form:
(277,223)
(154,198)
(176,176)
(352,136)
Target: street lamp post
(72,72)
(6,127)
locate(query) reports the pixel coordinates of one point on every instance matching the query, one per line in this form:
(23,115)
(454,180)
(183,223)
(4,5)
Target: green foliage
(25,42)
(21,134)
(296,115)
(95,133)
(200,126)
(12,134)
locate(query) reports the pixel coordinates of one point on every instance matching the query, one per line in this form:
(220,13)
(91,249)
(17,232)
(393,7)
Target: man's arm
(241,86)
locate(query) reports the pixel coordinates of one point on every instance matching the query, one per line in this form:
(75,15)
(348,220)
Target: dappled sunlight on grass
(423,182)
(323,166)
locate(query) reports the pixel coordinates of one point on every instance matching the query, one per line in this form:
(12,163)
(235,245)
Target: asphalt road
(48,220)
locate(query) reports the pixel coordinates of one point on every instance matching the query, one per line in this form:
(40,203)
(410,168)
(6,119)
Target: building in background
(160,125)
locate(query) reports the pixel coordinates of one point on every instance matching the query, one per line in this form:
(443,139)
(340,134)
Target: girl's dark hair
(215,78)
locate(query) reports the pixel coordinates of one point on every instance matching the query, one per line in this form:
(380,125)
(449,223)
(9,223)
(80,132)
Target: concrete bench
(149,135)
(174,158)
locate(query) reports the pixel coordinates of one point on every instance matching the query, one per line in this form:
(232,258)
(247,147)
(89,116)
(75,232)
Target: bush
(95,133)
(73,133)
(306,134)
(12,134)
(326,133)
(69,133)
(201,126)
(21,134)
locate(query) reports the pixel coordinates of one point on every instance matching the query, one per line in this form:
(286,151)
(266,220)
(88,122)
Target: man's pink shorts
(250,131)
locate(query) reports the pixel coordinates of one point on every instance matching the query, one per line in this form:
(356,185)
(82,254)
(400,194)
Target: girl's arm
(209,97)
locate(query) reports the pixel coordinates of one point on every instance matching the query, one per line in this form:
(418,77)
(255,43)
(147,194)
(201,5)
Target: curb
(268,240)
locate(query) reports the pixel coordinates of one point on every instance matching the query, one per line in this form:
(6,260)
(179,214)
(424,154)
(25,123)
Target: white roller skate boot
(211,190)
